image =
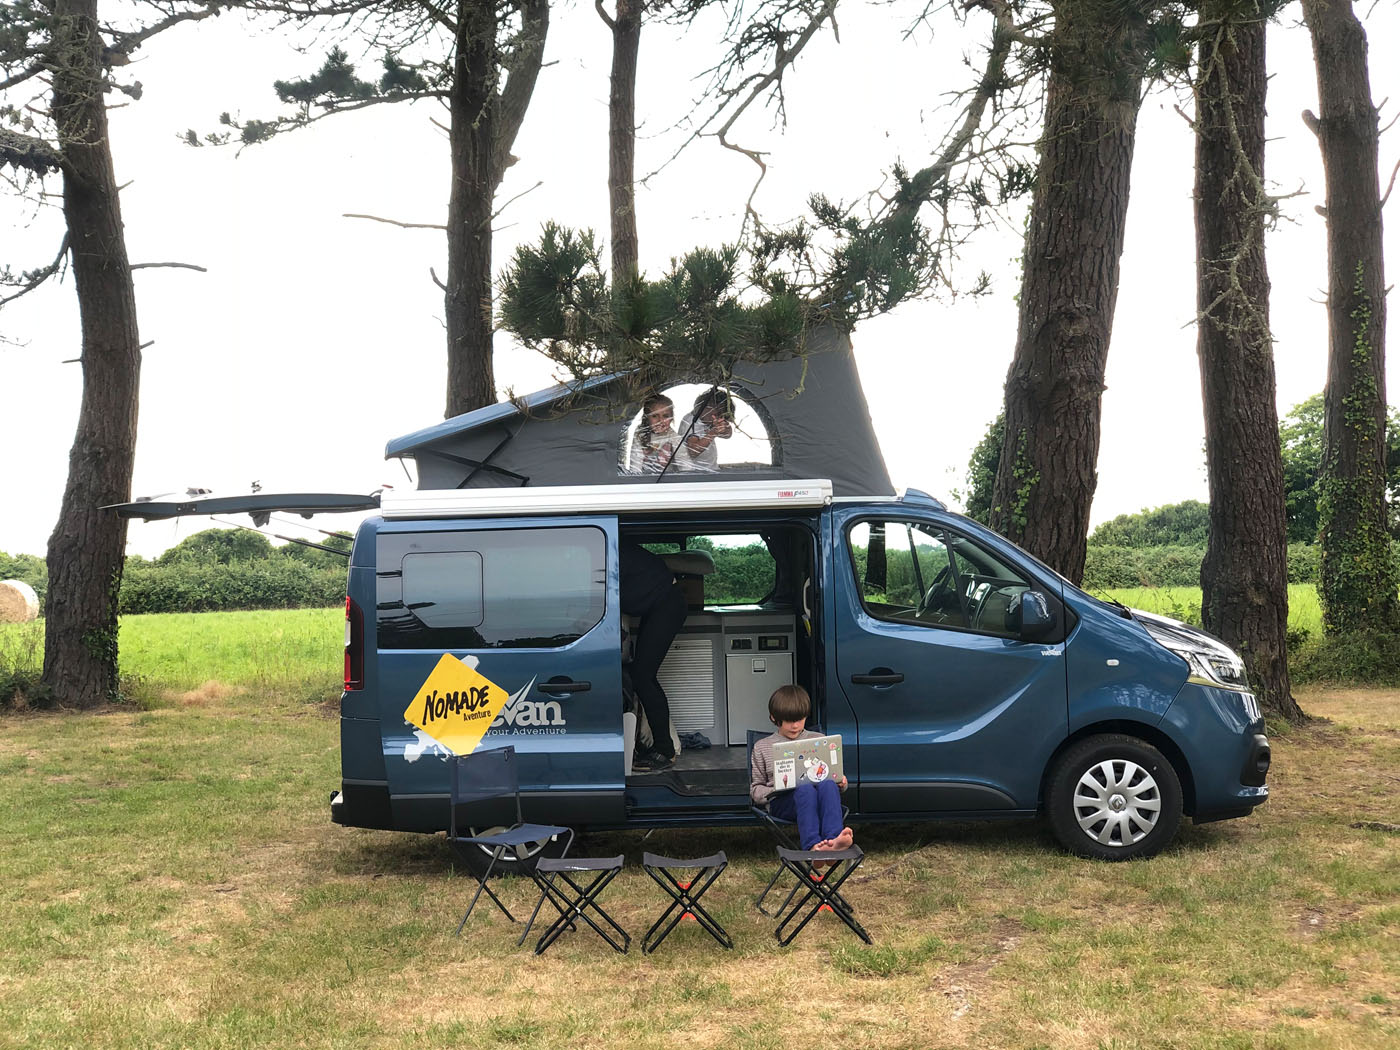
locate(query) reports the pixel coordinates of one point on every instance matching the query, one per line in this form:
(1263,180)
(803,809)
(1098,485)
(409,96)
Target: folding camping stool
(823,889)
(573,886)
(685,896)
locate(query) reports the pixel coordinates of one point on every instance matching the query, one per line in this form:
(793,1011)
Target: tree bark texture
(622,138)
(484,125)
(1244,577)
(1357,578)
(87,548)
(471,381)
(1047,472)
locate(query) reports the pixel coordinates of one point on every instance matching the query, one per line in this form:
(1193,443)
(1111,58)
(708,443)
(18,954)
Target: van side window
(909,572)
(490,588)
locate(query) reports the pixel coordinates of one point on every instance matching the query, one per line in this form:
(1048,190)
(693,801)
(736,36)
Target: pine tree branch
(783,58)
(1391,184)
(21,76)
(496,214)
(29,152)
(523,71)
(123,44)
(1007,25)
(175,265)
(924,182)
(395,222)
(34,278)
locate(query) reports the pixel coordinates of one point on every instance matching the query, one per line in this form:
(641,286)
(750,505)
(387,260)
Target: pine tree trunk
(1244,577)
(1357,581)
(622,138)
(87,547)
(471,381)
(1047,472)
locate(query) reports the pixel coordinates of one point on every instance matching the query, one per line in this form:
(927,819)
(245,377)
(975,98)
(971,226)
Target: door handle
(878,676)
(552,687)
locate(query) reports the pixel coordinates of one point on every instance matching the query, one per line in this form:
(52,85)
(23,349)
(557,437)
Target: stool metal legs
(685,896)
(822,889)
(575,898)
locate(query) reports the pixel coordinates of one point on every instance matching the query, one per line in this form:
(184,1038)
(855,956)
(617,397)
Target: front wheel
(1114,797)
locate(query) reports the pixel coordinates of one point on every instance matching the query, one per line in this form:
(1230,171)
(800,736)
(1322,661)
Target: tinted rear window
(492,588)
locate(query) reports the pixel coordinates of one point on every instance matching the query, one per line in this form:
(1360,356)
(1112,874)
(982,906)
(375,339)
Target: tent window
(720,441)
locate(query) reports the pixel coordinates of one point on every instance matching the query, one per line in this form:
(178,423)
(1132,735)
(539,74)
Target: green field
(294,653)
(170,879)
(1184,603)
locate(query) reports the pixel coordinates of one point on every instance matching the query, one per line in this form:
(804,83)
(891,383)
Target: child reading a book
(815,807)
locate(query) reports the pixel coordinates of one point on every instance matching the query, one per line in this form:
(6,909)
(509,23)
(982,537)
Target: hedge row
(272,583)
(1108,567)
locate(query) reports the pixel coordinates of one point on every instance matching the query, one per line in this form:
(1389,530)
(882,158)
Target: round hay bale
(18,602)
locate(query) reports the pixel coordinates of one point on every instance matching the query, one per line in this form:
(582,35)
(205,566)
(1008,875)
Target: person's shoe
(652,762)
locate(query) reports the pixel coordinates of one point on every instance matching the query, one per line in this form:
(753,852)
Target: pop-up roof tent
(812,409)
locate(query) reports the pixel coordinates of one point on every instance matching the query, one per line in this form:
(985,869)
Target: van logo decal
(530,716)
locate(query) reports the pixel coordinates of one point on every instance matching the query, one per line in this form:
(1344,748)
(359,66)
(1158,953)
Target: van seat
(690,563)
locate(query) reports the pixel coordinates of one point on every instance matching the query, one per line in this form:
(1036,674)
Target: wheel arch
(1146,733)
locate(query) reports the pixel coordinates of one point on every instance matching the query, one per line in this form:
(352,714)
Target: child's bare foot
(845,840)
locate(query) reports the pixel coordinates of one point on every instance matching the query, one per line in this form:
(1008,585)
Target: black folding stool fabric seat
(685,896)
(784,832)
(478,780)
(574,898)
(823,889)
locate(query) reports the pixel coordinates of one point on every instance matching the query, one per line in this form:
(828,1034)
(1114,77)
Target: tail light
(354,646)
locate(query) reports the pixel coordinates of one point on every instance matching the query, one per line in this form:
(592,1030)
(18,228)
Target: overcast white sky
(314,339)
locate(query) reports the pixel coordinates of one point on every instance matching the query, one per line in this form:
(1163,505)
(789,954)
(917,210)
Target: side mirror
(1033,617)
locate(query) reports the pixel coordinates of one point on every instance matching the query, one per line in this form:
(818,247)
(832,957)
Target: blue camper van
(966,678)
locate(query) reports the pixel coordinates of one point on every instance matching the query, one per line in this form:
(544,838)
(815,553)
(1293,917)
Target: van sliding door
(527,604)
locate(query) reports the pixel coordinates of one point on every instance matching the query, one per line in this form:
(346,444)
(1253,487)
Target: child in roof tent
(816,807)
(656,440)
(711,418)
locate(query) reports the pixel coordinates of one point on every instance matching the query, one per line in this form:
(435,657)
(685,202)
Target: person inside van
(711,418)
(815,807)
(649,591)
(656,440)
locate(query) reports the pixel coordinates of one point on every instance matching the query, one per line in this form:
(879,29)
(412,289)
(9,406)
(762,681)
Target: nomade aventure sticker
(456,705)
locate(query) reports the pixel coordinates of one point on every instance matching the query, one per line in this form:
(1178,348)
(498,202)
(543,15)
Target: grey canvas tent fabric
(813,409)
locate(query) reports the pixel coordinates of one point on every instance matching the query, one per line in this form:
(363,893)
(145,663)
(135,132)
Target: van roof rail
(573,499)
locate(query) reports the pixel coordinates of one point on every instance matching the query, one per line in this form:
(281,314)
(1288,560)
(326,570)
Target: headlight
(1221,672)
(1214,668)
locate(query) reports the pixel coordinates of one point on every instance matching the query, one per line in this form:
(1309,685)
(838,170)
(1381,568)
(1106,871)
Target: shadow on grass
(428,856)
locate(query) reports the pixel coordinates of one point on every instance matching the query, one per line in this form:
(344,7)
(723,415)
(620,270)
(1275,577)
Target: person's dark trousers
(659,626)
(815,807)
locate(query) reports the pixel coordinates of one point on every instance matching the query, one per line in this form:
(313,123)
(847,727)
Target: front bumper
(1222,738)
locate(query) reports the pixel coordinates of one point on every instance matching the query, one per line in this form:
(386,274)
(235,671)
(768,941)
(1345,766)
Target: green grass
(291,652)
(1184,603)
(170,879)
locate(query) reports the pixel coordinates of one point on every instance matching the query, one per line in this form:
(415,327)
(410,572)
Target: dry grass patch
(211,692)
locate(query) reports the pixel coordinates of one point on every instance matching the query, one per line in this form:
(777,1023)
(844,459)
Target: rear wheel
(516,860)
(1114,797)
